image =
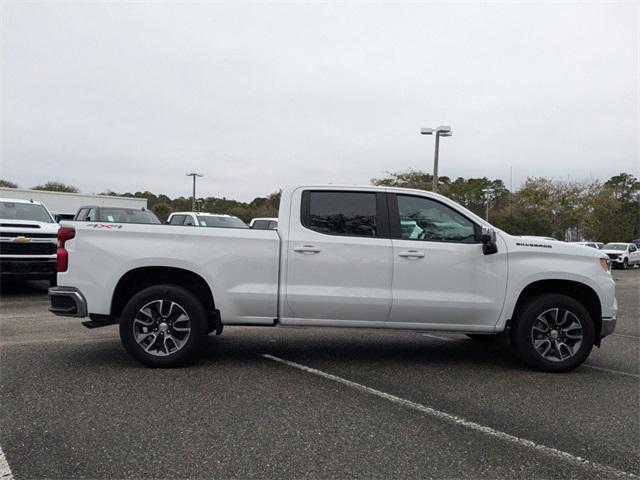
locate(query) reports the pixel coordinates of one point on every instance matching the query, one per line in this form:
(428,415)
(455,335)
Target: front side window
(92,215)
(188,220)
(428,220)
(82,214)
(342,213)
(24,211)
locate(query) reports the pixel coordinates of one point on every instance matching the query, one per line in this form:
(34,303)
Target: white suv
(622,255)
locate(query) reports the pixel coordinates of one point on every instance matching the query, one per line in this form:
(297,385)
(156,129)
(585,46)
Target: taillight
(62,261)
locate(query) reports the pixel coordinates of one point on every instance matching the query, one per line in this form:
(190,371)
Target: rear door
(441,279)
(339,259)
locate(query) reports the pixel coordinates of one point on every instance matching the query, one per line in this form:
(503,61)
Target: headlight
(605,263)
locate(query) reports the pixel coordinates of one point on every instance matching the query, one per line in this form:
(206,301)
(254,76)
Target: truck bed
(239,265)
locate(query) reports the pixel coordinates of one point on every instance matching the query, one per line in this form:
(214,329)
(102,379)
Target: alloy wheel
(161,327)
(557,334)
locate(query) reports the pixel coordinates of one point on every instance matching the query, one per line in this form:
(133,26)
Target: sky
(131,96)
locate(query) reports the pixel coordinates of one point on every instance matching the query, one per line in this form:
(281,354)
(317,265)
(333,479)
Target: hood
(549,247)
(27,226)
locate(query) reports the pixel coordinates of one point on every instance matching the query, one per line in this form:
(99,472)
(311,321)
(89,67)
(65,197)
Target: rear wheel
(162,326)
(553,333)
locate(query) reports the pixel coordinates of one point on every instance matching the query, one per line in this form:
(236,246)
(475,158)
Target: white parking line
(446,339)
(610,370)
(5,471)
(552,452)
(635,337)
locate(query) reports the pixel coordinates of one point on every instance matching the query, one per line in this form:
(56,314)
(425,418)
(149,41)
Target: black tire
(625,264)
(189,305)
(524,331)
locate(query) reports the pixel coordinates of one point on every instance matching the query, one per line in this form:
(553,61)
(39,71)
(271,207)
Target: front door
(339,259)
(441,279)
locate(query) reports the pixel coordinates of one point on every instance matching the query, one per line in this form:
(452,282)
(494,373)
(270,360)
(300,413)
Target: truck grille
(28,235)
(613,255)
(10,248)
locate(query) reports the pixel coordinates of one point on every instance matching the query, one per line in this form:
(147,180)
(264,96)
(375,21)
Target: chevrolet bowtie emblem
(22,239)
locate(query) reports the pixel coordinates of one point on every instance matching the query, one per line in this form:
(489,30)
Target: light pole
(193,198)
(441,131)
(487,196)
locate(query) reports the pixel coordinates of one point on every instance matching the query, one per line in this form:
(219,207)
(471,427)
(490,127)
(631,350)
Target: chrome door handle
(411,254)
(307,249)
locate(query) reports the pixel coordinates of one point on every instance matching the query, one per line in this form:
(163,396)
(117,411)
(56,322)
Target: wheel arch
(578,291)
(138,279)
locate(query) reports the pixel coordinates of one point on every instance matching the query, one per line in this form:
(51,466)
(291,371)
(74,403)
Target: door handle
(411,254)
(307,249)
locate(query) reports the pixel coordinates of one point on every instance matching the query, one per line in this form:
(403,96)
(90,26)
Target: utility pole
(193,198)
(441,131)
(487,196)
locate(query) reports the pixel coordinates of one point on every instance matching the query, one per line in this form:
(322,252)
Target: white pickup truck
(342,256)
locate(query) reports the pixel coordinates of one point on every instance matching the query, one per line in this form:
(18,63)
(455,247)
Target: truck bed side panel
(240,266)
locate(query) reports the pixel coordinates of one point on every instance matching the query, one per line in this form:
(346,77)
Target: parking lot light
(193,198)
(441,131)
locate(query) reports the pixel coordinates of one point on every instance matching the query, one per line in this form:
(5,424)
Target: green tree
(162,211)
(8,184)
(56,187)
(615,210)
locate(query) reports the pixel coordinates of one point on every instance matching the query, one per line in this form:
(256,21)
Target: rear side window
(261,224)
(189,221)
(341,213)
(177,220)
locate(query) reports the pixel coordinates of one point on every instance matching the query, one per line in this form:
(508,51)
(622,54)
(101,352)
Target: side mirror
(488,239)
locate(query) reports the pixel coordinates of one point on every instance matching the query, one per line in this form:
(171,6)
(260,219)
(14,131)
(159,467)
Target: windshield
(24,211)
(123,215)
(224,222)
(615,246)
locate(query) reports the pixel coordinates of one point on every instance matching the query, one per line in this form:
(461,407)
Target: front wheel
(553,333)
(625,264)
(163,325)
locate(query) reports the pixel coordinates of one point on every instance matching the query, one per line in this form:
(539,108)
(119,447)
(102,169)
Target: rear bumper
(27,267)
(67,302)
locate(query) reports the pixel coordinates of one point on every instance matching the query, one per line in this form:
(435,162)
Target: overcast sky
(131,96)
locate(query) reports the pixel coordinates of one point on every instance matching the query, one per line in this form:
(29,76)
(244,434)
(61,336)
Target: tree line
(567,210)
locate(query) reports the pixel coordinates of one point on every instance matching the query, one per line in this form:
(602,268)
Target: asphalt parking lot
(310,403)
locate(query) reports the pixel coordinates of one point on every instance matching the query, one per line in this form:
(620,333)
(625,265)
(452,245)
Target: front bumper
(67,302)
(28,267)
